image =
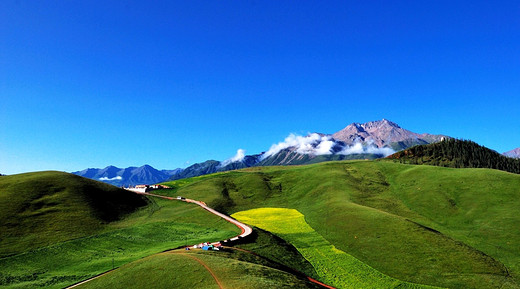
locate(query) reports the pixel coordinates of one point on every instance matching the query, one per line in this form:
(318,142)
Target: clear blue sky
(167,83)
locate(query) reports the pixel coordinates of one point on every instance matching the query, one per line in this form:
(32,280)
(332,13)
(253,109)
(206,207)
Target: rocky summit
(383,133)
(513,153)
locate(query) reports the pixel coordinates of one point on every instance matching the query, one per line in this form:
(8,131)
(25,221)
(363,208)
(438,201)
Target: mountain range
(371,140)
(130,176)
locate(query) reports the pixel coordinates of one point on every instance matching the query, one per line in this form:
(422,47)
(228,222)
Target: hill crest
(40,208)
(457,154)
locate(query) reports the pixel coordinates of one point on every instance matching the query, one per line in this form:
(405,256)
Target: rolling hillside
(38,209)
(443,227)
(374,224)
(85,228)
(191,269)
(58,228)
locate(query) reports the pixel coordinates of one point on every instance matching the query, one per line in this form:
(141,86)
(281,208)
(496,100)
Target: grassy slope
(334,266)
(279,252)
(177,270)
(38,209)
(477,206)
(161,225)
(236,268)
(375,212)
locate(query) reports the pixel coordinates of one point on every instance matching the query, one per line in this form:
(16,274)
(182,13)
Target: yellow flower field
(275,220)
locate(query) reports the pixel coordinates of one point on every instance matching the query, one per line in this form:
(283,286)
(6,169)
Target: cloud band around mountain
(370,148)
(316,144)
(118,178)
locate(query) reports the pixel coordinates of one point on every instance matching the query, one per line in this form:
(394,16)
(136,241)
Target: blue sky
(170,83)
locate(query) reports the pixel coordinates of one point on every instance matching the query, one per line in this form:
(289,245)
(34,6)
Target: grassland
(267,262)
(333,266)
(428,225)
(454,228)
(39,209)
(158,226)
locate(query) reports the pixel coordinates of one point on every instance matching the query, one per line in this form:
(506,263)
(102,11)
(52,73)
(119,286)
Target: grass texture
(436,226)
(179,270)
(162,225)
(334,266)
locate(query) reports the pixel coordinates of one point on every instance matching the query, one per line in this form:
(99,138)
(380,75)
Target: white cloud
(240,155)
(314,144)
(118,178)
(370,148)
(356,148)
(325,147)
(386,151)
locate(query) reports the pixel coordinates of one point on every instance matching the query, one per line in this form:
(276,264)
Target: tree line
(457,153)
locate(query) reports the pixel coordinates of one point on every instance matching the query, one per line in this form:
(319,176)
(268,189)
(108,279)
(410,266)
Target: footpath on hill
(206,267)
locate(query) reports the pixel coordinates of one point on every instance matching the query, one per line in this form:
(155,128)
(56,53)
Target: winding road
(246,230)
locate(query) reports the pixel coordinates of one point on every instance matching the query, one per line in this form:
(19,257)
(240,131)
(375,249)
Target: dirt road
(245,229)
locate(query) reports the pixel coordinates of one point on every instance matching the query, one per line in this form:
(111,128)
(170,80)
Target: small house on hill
(146,188)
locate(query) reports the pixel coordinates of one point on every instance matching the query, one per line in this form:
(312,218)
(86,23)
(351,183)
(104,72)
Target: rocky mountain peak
(356,126)
(380,124)
(381,133)
(513,153)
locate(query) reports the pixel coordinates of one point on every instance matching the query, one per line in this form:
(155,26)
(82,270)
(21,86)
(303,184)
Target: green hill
(38,209)
(264,261)
(87,228)
(457,154)
(58,229)
(444,227)
(381,223)
(187,269)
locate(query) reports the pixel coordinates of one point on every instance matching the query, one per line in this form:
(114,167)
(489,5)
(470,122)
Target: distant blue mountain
(130,176)
(371,140)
